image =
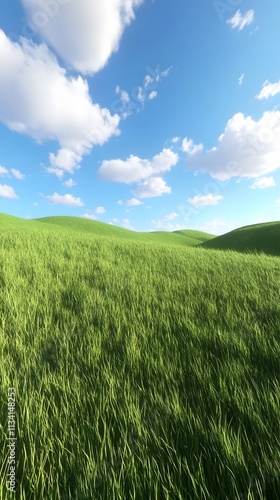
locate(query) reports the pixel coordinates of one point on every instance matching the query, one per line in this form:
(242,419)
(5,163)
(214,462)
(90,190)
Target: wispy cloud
(130,102)
(263,183)
(239,21)
(268,90)
(17,174)
(189,147)
(199,201)
(241,79)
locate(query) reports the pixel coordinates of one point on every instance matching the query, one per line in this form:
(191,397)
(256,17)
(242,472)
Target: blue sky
(150,115)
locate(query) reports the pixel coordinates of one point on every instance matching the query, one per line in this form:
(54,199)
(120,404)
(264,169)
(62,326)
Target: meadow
(144,368)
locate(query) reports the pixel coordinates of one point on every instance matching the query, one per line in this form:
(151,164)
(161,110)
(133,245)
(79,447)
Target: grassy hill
(256,238)
(142,370)
(80,225)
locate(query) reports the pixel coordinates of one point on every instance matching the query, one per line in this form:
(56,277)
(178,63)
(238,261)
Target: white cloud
(35,204)
(163,226)
(247,148)
(84,33)
(175,140)
(269,90)
(204,201)
(17,174)
(217,226)
(239,21)
(7,191)
(89,216)
(153,94)
(133,202)
(3,171)
(171,216)
(241,79)
(263,182)
(126,224)
(148,81)
(141,95)
(99,210)
(120,202)
(135,169)
(135,101)
(189,147)
(66,199)
(152,187)
(46,104)
(70,183)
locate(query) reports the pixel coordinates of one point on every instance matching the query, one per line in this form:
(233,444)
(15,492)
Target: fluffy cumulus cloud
(204,201)
(7,191)
(84,33)
(133,202)
(239,21)
(151,188)
(146,173)
(135,169)
(67,199)
(268,90)
(70,183)
(46,104)
(247,148)
(263,183)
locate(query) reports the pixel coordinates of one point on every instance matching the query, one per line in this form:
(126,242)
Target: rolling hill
(257,238)
(80,225)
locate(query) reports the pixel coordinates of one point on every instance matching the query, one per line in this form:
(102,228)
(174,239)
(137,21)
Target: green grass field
(144,367)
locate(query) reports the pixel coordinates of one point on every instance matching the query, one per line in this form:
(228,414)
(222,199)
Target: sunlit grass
(142,370)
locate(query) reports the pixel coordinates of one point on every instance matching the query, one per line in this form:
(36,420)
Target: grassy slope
(80,225)
(256,238)
(142,370)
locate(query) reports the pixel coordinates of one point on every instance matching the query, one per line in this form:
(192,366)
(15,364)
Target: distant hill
(78,225)
(256,238)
